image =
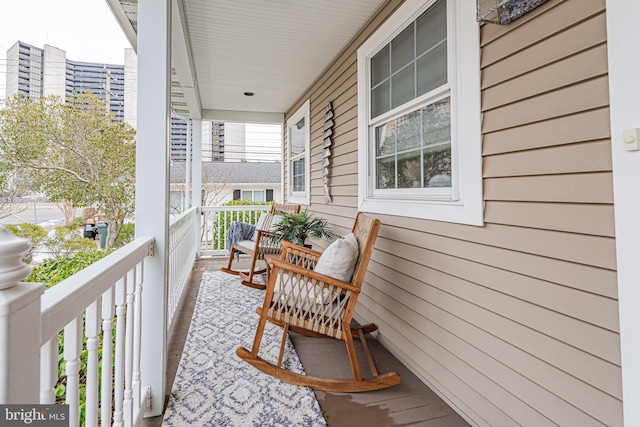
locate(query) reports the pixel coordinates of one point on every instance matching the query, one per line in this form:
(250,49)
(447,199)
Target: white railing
(182,256)
(216,221)
(87,304)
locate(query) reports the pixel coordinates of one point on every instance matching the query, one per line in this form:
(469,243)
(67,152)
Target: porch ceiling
(273,48)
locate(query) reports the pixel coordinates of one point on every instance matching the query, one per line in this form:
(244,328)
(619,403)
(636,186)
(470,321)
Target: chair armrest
(265,244)
(288,246)
(299,255)
(306,275)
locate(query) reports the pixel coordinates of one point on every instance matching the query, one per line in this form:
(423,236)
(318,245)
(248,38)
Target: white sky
(85,29)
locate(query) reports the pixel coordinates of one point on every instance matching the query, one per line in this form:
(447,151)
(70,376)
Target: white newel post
(19,324)
(152,188)
(197,179)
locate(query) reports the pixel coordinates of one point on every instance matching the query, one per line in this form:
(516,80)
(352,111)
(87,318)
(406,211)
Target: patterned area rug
(213,387)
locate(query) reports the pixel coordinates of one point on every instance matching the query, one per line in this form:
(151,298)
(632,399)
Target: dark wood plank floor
(411,403)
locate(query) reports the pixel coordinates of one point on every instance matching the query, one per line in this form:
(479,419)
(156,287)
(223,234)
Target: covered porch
(410,403)
(506,279)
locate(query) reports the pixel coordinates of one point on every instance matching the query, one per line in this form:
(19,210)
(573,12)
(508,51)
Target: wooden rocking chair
(302,300)
(262,244)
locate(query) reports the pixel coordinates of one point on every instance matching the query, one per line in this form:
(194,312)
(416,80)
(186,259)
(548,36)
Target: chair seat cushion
(249,245)
(339,259)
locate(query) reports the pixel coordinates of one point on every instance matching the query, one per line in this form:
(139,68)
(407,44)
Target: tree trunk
(68,210)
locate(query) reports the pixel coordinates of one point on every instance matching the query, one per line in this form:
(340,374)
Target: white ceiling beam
(123,21)
(243,116)
(183,60)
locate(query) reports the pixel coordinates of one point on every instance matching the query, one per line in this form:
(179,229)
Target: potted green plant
(297,228)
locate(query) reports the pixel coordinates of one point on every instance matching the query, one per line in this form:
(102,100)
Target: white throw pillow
(339,259)
(266,222)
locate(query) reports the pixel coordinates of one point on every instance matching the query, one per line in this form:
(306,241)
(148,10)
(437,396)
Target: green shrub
(33,232)
(67,241)
(241,202)
(76,223)
(54,270)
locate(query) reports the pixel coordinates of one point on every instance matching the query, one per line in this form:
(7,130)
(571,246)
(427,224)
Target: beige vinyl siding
(515,322)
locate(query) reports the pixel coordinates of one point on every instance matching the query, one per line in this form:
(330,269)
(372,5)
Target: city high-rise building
(36,72)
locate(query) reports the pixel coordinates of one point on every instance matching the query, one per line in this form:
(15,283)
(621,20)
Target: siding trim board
(515,322)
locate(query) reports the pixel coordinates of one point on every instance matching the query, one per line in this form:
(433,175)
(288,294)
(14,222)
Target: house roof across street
(232,172)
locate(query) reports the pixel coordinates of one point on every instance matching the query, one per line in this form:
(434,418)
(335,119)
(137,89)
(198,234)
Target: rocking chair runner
(302,300)
(261,245)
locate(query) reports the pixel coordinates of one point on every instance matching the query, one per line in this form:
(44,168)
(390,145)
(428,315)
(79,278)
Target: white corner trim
(623,37)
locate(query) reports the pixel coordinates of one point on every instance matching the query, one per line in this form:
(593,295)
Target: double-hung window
(419,114)
(256,196)
(298,139)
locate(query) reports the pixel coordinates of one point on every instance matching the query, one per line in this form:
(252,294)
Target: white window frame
(300,197)
(464,203)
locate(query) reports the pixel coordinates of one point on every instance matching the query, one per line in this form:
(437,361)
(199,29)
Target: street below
(44,214)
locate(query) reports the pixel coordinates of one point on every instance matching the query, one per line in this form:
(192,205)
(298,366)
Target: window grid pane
(414,150)
(423,45)
(259,196)
(298,132)
(298,175)
(402,49)
(380,66)
(381,99)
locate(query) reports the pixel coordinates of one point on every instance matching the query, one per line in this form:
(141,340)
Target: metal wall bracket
(147,405)
(504,11)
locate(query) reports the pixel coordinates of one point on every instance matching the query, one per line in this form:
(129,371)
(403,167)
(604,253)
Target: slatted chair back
(366,231)
(279,207)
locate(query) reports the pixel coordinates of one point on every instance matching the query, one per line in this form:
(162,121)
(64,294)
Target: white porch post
(152,187)
(196,130)
(623,37)
(20,324)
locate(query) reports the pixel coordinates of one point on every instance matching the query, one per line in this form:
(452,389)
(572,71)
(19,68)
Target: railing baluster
(48,371)
(137,331)
(128,365)
(68,314)
(172,273)
(72,350)
(181,258)
(119,351)
(92,326)
(107,361)
(223,218)
(217,220)
(210,219)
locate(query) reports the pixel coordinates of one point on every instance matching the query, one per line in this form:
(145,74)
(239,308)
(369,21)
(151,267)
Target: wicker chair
(301,300)
(262,244)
